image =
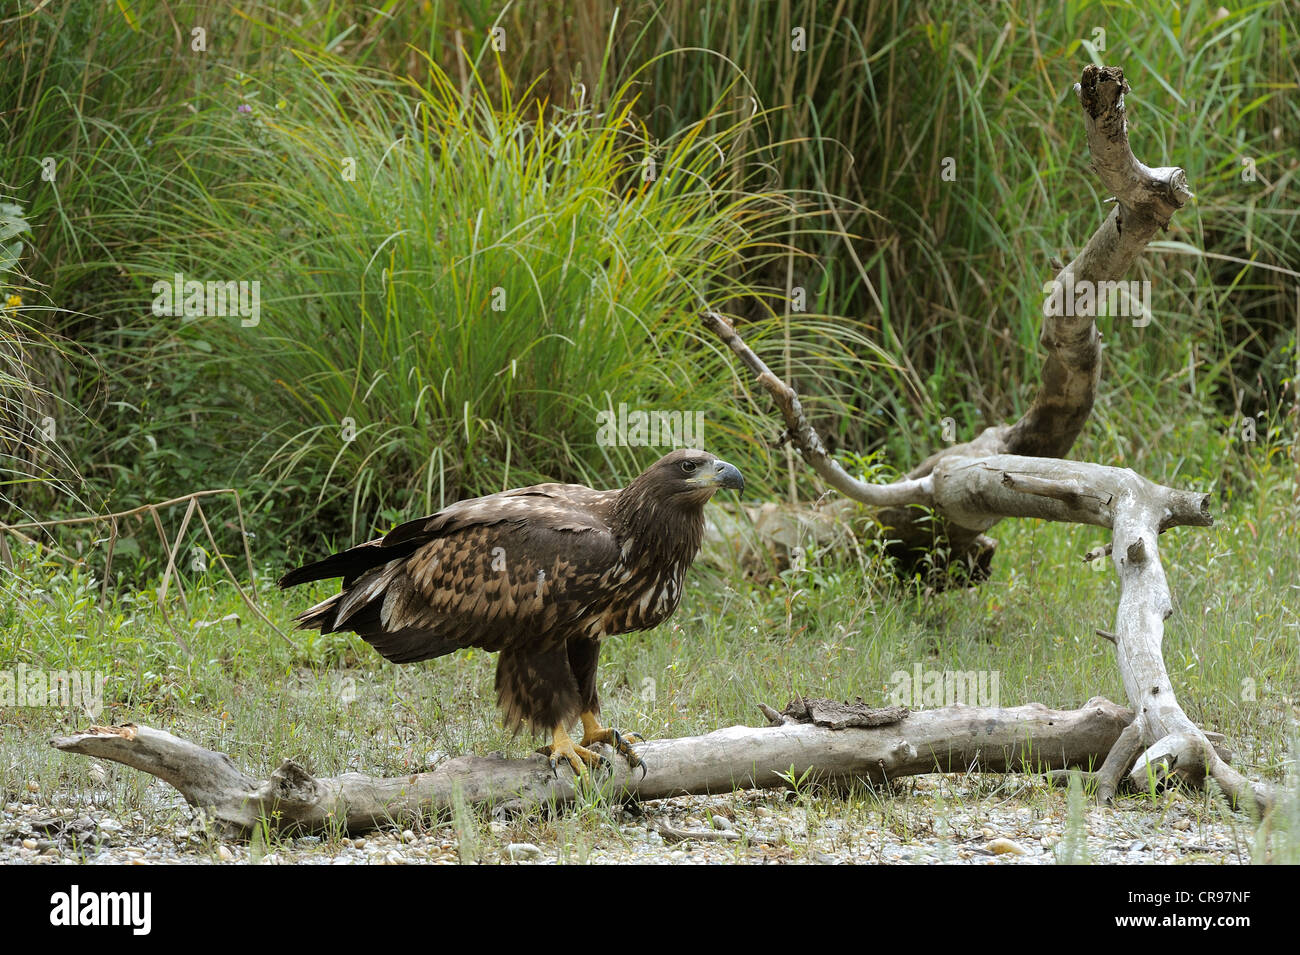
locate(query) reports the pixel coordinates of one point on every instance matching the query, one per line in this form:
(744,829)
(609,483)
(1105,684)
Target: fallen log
(1030,738)
(1019,470)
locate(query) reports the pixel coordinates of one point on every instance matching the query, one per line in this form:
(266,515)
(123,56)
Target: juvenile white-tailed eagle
(539,574)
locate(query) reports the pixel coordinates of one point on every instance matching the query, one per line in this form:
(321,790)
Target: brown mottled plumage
(539,574)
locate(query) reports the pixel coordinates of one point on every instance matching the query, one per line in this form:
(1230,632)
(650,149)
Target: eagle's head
(687,478)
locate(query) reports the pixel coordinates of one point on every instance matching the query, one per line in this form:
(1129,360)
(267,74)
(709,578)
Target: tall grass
(941,276)
(453,286)
(30,454)
(494,277)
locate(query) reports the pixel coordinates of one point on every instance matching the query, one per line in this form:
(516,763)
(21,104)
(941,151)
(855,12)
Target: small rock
(1004,846)
(33,786)
(52,851)
(224,854)
(408,836)
(1182,825)
(693,822)
(721,822)
(29,843)
(523,850)
(358,843)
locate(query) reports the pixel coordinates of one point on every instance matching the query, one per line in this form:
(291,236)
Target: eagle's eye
(688,467)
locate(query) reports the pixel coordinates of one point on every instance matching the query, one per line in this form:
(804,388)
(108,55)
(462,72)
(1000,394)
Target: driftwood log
(1029,738)
(938,514)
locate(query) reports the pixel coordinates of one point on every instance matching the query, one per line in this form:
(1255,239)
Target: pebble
(224,853)
(721,822)
(1004,846)
(519,851)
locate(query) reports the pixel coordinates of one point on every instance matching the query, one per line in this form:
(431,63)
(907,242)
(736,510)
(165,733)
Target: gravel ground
(936,821)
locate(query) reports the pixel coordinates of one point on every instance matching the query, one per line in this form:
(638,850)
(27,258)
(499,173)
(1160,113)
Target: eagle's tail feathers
(367,590)
(319,617)
(348,564)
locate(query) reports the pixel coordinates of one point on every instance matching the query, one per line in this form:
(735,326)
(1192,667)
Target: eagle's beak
(727,475)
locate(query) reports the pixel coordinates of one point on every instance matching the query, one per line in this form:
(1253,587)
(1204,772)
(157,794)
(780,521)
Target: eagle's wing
(506,570)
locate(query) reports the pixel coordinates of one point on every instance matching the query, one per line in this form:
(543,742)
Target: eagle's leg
(593,732)
(579,758)
(584,653)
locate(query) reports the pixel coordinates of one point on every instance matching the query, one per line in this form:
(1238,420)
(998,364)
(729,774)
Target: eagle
(539,575)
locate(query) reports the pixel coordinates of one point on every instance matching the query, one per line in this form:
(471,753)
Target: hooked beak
(726,475)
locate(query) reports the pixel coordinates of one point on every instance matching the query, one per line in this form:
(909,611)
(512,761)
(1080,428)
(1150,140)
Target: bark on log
(1029,738)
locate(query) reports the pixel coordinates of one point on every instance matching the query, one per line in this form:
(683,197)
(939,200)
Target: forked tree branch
(1017,470)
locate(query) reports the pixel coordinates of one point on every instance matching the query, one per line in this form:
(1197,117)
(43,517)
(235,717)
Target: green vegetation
(465,253)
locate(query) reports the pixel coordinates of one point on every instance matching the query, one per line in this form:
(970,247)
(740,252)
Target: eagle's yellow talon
(620,742)
(579,758)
